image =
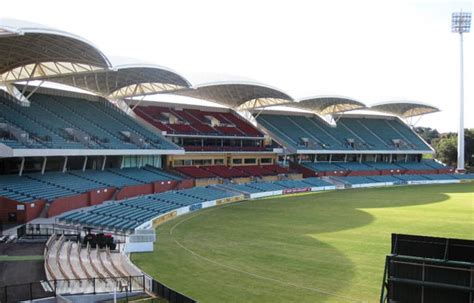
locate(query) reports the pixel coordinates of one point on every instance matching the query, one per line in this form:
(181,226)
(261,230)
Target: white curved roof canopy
(237,94)
(404,109)
(32,51)
(128,81)
(327,105)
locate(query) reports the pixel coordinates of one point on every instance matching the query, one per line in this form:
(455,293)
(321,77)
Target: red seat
(193,121)
(226,171)
(195,172)
(256,170)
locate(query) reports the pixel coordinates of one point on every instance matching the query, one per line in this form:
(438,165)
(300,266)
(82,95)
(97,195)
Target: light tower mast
(461,23)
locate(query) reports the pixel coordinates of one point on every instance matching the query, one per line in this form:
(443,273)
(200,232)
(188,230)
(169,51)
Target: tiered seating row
(48,116)
(370,166)
(221,171)
(350,133)
(53,185)
(402,178)
(131,213)
(196,122)
(258,187)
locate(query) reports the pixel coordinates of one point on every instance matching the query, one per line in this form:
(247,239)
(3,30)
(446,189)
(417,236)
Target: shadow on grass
(275,255)
(236,265)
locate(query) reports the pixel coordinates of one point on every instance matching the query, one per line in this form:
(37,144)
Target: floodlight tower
(461,23)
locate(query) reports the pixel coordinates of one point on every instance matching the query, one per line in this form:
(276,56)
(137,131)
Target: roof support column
(22,166)
(28,80)
(84,164)
(103,163)
(139,101)
(65,164)
(16,94)
(43,168)
(330,158)
(34,90)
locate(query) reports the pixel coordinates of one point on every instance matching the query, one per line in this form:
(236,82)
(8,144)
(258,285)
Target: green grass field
(321,247)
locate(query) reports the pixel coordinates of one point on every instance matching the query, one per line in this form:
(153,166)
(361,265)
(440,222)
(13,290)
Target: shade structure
(128,80)
(235,92)
(327,105)
(32,51)
(404,109)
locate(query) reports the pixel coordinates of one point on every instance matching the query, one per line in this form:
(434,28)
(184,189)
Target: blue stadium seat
(349,133)
(48,116)
(127,214)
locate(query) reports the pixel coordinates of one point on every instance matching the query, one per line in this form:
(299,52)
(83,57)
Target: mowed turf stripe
(6,258)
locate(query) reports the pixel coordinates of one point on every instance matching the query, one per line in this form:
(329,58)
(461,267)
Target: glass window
(236,161)
(202,162)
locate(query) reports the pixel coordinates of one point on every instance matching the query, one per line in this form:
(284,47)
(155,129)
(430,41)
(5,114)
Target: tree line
(446,144)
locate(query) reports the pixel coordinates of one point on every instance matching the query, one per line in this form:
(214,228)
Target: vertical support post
(31,291)
(460,161)
(22,166)
(93,285)
(384,279)
(84,165)
(65,164)
(103,163)
(471,295)
(43,167)
(423,280)
(360,160)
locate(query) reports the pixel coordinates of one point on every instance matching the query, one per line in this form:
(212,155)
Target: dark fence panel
(429,270)
(47,289)
(169,294)
(433,247)
(24,292)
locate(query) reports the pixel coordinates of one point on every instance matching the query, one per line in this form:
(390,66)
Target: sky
(372,51)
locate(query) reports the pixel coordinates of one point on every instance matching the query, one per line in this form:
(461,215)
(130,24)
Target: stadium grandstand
(81,146)
(63,149)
